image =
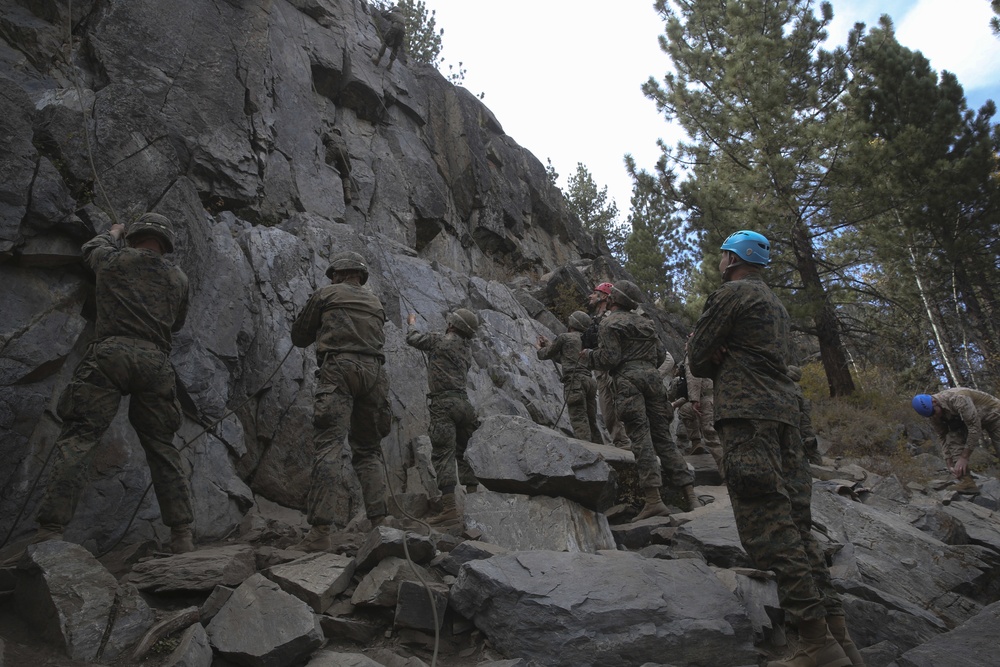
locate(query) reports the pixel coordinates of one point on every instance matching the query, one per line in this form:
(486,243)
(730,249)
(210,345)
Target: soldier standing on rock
(338,157)
(696,411)
(452,418)
(809,443)
(742,341)
(598,301)
(345,320)
(629,349)
(579,387)
(394,35)
(142,299)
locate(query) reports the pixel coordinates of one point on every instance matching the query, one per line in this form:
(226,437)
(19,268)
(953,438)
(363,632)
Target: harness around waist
(363,356)
(635,365)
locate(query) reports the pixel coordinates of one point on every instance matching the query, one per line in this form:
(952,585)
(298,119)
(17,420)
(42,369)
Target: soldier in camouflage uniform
(142,299)
(962,418)
(809,443)
(629,349)
(345,320)
(452,418)
(598,300)
(338,157)
(579,387)
(742,341)
(395,34)
(697,412)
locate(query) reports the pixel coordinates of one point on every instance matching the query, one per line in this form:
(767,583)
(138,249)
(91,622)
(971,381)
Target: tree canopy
(875,183)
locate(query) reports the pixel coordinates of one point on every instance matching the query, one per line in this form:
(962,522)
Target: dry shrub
(868,425)
(567,300)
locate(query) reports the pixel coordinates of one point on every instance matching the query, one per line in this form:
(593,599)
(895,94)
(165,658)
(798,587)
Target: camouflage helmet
(153,224)
(348,261)
(626,294)
(579,320)
(464,321)
(795,373)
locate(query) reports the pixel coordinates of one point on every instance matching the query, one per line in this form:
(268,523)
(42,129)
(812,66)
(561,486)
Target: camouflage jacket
(805,415)
(449,356)
(140,294)
(565,348)
(341,318)
(746,318)
(967,406)
(626,338)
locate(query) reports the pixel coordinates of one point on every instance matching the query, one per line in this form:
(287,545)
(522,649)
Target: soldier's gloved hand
(411,319)
(117,230)
(541,342)
(696,406)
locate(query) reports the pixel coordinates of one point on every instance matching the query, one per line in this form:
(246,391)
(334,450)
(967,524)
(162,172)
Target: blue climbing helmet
(751,247)
(923,404)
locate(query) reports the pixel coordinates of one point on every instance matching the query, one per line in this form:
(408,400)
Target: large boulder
(68,597)
(614,608)
(511,454)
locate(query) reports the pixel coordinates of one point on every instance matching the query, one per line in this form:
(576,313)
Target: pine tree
(591,205)
(657,250)
(995,21)
(424,39)
(760,100)
(927,175)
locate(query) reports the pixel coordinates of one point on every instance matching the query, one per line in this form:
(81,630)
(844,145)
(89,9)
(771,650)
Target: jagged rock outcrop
(215,116)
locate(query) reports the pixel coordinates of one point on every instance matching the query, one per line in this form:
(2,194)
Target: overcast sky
(563,76)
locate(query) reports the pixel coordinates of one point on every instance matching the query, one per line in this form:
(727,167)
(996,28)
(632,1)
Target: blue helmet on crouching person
(924,405)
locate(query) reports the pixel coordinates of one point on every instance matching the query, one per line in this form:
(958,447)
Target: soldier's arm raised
(102,246)
(306,325)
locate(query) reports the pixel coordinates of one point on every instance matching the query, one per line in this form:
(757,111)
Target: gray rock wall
(213,114)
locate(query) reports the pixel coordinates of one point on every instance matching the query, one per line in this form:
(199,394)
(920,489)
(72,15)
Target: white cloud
(954,36)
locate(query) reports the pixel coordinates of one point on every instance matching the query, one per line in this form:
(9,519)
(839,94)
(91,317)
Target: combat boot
(967,485)
(838,628)
(654,505)
(181,539)
(692,497)
(447,516)
(317,539)
(817,648)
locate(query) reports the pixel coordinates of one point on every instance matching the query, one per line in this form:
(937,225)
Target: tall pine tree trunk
(981,324)
(831,347)
(940,338)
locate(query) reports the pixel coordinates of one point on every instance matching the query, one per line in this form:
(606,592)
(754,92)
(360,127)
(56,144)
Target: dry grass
(868,427)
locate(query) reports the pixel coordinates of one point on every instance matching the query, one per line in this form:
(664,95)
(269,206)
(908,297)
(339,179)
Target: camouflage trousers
(642,405)
(452,422)
(956,440)
(580,392)
(351,406)
(606,396)
(771,491)
(700,427)
(111,368)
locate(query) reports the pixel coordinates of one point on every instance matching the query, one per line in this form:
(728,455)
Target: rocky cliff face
(214,114)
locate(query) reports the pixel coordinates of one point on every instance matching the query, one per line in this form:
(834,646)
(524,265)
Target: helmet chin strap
(733,263)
